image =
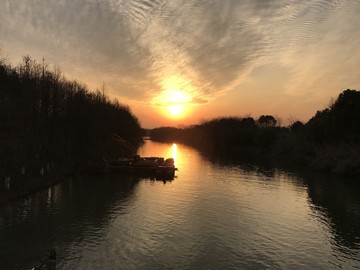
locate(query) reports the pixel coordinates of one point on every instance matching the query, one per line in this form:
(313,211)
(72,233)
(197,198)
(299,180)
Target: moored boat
(142,165)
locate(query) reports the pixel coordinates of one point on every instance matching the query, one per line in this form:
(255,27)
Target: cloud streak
(212,47)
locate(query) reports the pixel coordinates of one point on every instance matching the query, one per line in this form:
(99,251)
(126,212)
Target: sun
(175,99)
(176,110)
(175,103)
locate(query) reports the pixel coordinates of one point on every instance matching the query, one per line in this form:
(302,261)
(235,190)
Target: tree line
(329,141)
(48,121)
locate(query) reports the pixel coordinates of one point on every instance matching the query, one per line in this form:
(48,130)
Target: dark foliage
(329,141)
(222,136)
(267,121)
(297,127)
(48,121)
(338,123)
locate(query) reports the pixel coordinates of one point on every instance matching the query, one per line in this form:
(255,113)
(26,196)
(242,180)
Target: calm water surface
(211,216)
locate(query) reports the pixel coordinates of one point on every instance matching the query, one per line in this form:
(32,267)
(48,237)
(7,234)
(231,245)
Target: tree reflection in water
(339,200)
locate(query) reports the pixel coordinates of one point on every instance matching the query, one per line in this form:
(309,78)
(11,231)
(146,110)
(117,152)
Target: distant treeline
(329,141)
(48,121)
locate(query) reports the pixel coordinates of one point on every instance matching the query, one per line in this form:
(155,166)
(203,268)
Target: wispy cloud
(213,47)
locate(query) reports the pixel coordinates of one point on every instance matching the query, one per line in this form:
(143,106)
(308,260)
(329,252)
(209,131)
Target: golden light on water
(174,152)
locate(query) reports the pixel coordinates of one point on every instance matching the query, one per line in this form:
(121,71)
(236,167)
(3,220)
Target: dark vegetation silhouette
(50,125)
(329,141)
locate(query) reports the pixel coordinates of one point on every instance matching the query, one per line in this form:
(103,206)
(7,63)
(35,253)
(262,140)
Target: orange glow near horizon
(175,110)
(175,100)
(176,103)
(174,152)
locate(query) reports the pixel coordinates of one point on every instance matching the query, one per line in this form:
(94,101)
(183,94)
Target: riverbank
(51,126)
(23,186)
(329,141)
(337,160)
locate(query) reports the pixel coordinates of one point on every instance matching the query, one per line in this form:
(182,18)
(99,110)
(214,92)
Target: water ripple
(212,216)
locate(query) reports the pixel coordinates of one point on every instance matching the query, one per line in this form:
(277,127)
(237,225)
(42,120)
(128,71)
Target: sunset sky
(181,62)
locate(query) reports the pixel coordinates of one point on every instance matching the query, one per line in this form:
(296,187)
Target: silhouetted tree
(338,123)
(297,127)
(329,140)
(267,121)
(45,118)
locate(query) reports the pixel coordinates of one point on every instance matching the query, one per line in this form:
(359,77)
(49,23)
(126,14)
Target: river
(212,215)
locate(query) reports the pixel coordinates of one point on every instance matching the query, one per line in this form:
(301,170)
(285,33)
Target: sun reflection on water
(160,150)
(174,152)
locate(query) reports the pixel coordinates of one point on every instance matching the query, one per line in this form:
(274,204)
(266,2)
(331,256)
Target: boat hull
(142,166)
